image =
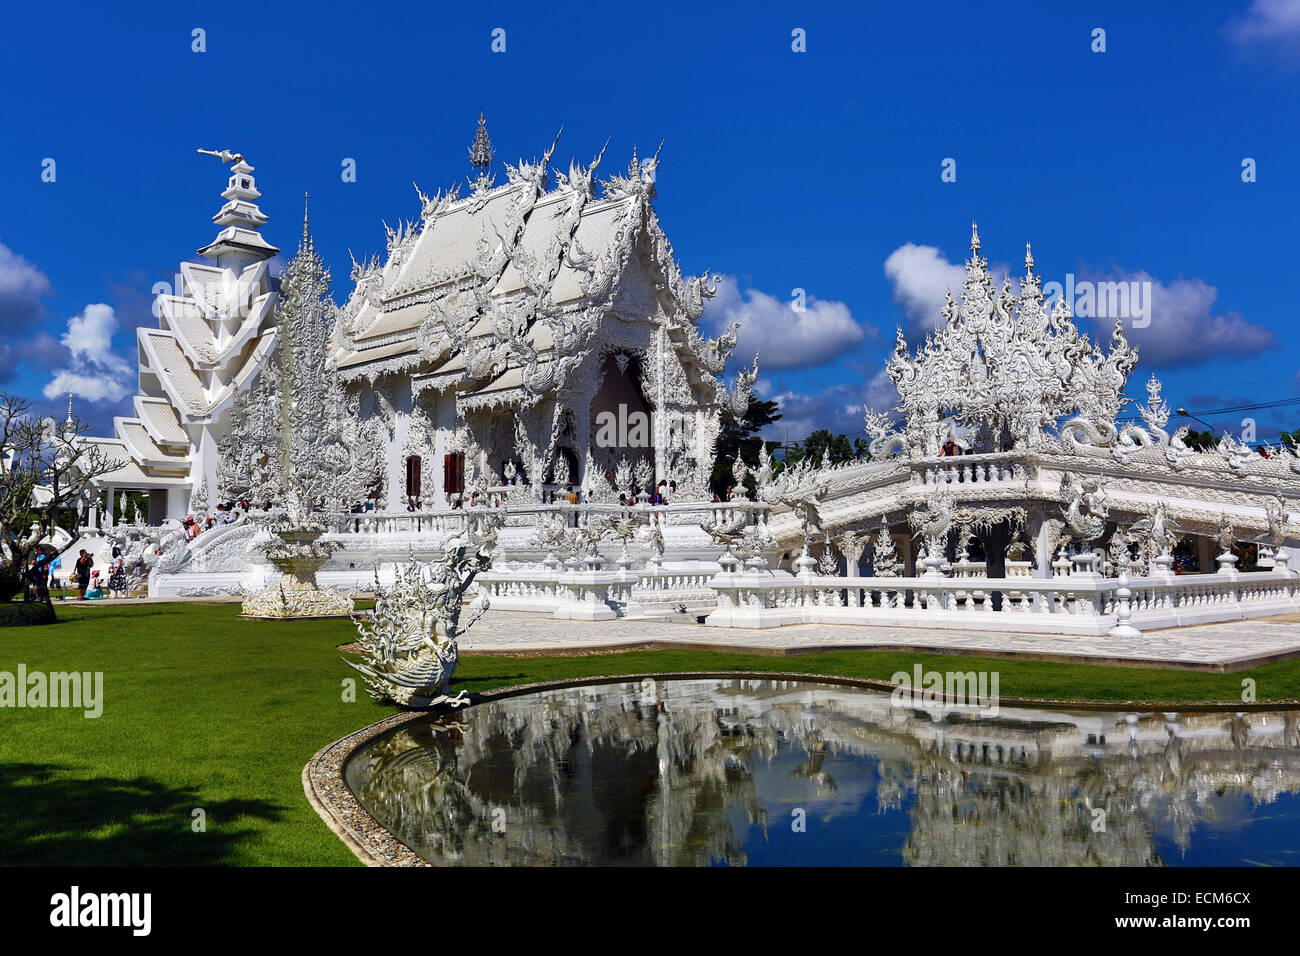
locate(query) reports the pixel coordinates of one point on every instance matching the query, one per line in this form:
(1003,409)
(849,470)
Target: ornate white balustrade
(583,592)
(991,469)
(1074,604)
(525,512)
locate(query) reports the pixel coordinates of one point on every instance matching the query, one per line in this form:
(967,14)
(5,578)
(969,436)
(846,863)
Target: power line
(1247,408)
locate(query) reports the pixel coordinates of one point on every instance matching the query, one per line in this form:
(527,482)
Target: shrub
(26,613)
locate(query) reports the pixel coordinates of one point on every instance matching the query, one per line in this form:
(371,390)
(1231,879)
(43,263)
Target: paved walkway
(1227,647)
(1230,646)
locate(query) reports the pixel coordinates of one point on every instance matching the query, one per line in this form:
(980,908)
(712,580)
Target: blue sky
(818,170)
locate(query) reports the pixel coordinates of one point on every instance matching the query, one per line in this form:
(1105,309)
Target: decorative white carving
(410,641)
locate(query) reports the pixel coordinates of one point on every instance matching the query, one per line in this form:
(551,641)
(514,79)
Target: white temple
(512,341)
(213,335)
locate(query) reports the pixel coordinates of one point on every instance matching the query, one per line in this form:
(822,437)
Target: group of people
(37,579)
(226,513)
(85,577)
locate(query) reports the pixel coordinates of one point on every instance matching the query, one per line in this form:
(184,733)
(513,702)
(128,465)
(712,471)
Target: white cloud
(919,276)
(95,373)
(1274,23)
(21,287)
(93,387)
(1183,328)
(783,337)
(90,335)
(838,408)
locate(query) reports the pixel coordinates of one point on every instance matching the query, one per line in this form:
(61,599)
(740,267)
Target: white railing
(1073,604)
(996,468)
(455,520)
(586,590)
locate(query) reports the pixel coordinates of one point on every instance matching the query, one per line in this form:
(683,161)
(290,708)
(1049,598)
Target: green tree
(841,448)
(45,469)
(740,436)
(1201,441)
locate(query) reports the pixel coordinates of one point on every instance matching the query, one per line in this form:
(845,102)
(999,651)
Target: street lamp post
(1186,414)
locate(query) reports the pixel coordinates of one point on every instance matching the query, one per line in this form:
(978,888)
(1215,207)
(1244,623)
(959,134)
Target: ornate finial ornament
(1029,258)
(306,237)
(225,155)
(974,236)
(481,152)
(1006,361)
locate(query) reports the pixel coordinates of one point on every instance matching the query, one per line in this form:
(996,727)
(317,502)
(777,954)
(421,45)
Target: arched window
(413,476)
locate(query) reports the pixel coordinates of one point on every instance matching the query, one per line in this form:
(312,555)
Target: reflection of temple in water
(687,772)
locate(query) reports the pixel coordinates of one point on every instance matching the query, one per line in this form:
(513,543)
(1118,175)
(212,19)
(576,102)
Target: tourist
(43,577)
(82,573)
(570,495)
(949,449)
(117,574)
(672,491)
(30,576)
(410,503)
(622,499)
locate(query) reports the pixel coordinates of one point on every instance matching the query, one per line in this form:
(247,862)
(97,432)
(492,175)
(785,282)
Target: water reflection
(698,772)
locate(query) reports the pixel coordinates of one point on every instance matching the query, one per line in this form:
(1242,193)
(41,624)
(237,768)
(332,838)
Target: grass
(204,711)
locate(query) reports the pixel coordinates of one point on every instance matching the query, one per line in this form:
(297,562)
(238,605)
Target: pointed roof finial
(305,197)
(1029,258)
(69,424)
(481,151)
(974,236)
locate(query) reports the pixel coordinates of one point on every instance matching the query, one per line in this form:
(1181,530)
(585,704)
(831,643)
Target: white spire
(240,217)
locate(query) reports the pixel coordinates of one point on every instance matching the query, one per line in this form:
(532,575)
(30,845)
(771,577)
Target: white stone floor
(1230,646)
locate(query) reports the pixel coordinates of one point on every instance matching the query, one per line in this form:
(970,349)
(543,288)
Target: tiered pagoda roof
(213,334)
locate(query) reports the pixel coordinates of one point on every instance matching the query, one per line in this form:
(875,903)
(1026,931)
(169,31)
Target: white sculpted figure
(884,556)
(1086,509)
(410,641)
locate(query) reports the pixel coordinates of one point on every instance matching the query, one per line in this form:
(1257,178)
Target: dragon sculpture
(1086,508)
(410,641)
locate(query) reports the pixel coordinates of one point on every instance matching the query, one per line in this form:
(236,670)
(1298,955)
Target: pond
(740,771)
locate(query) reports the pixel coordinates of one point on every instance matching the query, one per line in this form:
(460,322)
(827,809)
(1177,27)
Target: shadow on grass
(50,817)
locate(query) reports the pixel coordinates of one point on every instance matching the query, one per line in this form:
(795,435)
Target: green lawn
(203,710)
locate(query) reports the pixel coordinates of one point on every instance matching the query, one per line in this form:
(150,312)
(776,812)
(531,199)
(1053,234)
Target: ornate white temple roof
(1001,361)
(213,334)
(161,421)
(487,290)
(131,474)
